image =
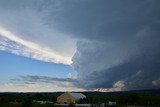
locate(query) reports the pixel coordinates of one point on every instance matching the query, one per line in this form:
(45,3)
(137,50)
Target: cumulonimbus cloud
(118,42)
(124,46)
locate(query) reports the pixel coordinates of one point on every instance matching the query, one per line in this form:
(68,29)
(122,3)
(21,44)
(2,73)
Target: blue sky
(79,45)
(14,65)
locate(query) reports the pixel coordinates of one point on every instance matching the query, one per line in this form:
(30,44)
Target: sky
(79,45)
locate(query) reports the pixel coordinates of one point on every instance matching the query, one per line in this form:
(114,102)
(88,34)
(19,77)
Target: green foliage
(8,105)
(27,102)
(128,98)
(97,98)
(33,105)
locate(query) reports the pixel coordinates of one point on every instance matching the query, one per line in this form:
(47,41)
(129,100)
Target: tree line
(129,98)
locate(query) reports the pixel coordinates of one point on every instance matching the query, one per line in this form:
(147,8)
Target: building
(42,102)
(111,104)
(67,98)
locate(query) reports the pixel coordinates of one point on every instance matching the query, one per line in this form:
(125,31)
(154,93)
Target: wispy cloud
(34,83)
(42,79)
(16,45)
(26,24)
(47,87)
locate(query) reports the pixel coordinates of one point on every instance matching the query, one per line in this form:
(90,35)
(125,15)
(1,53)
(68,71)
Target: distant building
(111,104)
(42,102)
(67,98)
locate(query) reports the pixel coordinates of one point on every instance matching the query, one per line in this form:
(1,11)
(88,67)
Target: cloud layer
(41,79)
(35,83)
(121,44)
(10,42)
(42,87)
(117,42)
(25,24)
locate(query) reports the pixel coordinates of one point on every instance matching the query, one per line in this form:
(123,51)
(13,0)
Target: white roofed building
(67,98)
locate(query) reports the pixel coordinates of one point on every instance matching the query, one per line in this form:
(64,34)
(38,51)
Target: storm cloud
(117,41)
(120,43)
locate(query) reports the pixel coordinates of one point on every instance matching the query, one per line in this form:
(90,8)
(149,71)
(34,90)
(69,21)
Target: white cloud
(117,86)
(46,87)
(30,49)
(39,84)
(27,26)
(156,83)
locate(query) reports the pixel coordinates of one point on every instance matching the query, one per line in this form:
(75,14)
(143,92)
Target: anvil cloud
(110,44)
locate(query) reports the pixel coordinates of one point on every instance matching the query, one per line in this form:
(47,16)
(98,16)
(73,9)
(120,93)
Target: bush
(26,103)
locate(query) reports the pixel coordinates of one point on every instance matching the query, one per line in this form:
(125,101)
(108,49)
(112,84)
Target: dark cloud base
(136,74)
(124,46)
